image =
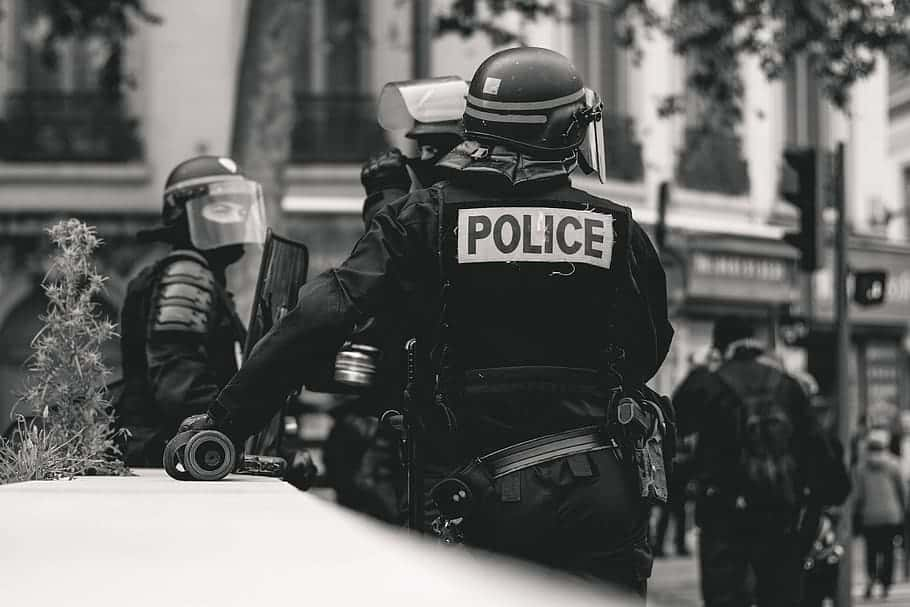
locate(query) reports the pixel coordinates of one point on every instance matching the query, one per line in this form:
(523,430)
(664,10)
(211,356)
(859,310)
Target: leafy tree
(109,21)
(841,39)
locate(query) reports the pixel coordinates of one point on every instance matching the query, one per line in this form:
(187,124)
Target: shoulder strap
(441,356)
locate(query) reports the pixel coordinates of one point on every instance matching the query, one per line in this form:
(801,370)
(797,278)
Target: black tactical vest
(530,280)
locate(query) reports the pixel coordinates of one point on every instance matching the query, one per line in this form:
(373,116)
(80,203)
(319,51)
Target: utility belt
(635,429)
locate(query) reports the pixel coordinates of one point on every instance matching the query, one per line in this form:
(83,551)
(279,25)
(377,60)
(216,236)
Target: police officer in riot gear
(179,326)
(540,314)
(431,110)
(360,454)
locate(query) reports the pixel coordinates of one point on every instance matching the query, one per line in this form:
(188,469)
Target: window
(710,158)
(335,111)
(603,65)
(62,111)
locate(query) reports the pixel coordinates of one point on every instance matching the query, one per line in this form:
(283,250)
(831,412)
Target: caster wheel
(173,456)
(209,456)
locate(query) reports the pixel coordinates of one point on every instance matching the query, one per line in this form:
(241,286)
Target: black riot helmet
(533,101)
(209,204)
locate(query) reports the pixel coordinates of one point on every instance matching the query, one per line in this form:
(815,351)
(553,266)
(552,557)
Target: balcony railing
(335,128)
(67,127)
(622,149)
(713,162)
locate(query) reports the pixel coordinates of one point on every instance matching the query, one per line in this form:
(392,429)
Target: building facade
(65,150)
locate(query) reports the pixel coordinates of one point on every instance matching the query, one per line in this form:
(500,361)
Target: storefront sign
(741,277)
(894,310)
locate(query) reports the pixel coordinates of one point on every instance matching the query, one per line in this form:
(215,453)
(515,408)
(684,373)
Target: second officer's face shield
(224,213)
(428,100)
(594,149)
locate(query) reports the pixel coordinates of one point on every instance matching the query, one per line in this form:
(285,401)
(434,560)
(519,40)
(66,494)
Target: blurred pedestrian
(879,509)
(675,508)
(689,395)
(885,415)
(761,463)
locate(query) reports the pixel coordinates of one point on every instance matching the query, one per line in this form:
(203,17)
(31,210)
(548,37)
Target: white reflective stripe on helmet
(511,118)
(427,100)
(189,183)
(547,104)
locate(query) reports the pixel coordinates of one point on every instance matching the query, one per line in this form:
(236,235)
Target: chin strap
(583,164)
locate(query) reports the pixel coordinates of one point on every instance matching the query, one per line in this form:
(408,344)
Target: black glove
(198,423)
(209,421)
(387,170)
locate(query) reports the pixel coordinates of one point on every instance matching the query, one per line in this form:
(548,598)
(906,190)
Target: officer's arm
(646,352)
(397,247)
(179,372)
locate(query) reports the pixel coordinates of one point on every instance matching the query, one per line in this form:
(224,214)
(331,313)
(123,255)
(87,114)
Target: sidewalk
(675,582)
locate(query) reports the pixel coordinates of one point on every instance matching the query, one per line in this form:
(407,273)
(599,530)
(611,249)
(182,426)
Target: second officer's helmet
(209,202)
(531,100)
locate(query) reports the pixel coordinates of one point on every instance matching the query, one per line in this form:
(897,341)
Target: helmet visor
(429,100)
(594,149)
(227,213)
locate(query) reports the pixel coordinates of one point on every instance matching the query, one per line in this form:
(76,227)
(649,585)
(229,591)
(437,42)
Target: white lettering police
(535,234)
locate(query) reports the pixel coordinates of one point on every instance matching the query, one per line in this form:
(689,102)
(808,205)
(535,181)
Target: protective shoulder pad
(185,294)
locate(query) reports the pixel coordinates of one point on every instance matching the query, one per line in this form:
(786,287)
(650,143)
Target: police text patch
(535,234)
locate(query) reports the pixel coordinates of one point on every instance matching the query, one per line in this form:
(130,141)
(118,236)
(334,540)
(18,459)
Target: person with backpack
(764,472)
(879,505)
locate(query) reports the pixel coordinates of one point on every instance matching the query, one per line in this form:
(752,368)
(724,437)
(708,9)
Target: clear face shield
(403,104)
(230,212)
(594,149)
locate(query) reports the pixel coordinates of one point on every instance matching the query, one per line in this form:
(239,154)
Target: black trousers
(726,553)
(880,552)
(581,514)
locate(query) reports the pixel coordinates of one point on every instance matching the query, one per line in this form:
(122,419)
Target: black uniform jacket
(173,369)
(394,271)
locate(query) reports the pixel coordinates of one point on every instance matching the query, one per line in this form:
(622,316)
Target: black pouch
(651,461)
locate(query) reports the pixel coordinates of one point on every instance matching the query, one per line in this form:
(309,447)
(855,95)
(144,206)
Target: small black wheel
(173,455)
(209,456)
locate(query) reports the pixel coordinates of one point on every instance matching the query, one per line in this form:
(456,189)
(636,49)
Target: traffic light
(799,188)
(869,287)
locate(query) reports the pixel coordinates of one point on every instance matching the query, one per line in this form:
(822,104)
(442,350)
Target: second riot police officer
(539,311)
(180,329)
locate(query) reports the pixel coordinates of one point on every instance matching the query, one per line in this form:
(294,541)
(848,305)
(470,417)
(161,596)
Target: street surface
(675,581)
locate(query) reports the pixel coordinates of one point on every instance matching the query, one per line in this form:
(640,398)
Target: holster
(644,429)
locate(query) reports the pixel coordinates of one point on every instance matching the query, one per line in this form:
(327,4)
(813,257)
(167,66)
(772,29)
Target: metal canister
(355,365)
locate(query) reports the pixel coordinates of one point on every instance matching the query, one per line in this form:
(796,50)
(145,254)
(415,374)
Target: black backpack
(769,473)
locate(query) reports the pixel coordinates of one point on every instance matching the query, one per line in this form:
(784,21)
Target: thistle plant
(72,432)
